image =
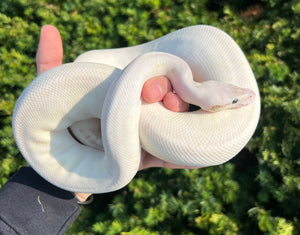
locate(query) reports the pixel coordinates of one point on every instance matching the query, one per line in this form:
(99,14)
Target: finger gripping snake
(56,119)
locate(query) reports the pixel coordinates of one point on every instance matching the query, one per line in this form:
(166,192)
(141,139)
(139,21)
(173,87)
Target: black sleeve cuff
(31,205)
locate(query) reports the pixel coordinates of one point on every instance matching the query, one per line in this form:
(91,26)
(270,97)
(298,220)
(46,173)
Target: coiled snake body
(62,107)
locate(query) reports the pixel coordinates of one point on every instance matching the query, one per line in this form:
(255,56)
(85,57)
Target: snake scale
(56,120)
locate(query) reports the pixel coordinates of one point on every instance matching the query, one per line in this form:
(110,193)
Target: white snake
(71,98)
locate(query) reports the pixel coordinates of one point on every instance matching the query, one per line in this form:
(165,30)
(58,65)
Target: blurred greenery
(255,193)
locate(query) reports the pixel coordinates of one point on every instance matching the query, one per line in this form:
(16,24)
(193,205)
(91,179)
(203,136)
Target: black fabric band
(31,205)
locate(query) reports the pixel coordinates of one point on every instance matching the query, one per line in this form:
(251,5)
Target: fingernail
(43,32)
(42,35)
(156,91)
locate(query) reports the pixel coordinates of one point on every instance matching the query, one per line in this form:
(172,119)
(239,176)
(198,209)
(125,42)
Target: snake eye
(235,100)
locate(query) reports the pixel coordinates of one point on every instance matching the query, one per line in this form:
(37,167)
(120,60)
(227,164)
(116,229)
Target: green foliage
(255,193)
(270,224)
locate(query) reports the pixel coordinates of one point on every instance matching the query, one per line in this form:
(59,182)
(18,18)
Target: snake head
(222,96)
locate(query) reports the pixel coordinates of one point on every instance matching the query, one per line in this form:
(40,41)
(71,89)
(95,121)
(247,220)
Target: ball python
(56,120)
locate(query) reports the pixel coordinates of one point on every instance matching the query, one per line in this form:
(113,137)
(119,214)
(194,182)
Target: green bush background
(258,192)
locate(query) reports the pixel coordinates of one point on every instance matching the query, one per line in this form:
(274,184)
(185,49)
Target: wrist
(82,197)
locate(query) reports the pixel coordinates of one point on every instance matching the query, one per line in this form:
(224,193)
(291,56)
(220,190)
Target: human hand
(50,54)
